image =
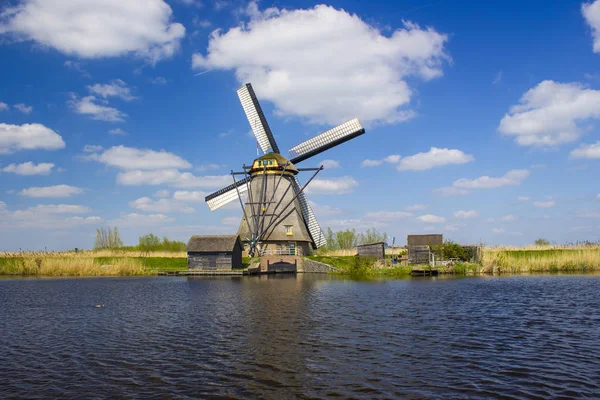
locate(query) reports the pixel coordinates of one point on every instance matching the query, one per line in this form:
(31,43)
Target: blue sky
(481,118)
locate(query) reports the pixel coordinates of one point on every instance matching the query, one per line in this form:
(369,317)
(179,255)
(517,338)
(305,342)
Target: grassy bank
(88,263)
(363,267)
(537,260)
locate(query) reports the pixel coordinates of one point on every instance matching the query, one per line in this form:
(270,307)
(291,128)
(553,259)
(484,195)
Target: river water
(300,337)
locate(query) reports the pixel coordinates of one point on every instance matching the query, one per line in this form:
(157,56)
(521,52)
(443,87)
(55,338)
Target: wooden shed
(214,252)
(419,247)
(372,250)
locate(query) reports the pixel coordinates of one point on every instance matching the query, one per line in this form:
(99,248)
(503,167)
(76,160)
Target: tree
(347,239)
(149,242)
(372,236)
(107,238)
(542,242)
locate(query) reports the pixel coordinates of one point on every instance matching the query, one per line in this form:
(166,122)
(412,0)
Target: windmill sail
(326,140)
(309,217)
(226,195)
(256,118)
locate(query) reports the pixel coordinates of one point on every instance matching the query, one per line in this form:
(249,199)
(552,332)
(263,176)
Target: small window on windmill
(288,230)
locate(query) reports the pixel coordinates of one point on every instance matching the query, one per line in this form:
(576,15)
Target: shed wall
(424,240)
(211,261)
(372,250)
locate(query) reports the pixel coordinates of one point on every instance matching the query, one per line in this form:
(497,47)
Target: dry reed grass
(541,259)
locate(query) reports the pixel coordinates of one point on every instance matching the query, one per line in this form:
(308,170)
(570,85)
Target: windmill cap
(281,162)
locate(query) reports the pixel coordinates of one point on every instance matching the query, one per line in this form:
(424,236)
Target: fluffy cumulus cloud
(433,158)
(28,137)
(341,185)
(511,178)
(391,159)
(551,114)
(116,88)
(586,151)
(461,214)
(87,29)
(431,219)
(348,68)
(117,131)
(591,13)
(173,178)
(47,216)
(51,191)
(29,168)
(194,196)
(450,191)
(142,159)
(3,106)
(147,204)
(89,106)
(322,210)
(330,164)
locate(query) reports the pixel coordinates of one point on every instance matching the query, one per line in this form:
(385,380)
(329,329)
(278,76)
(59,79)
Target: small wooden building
(372,250)
(214,252)
(419,247)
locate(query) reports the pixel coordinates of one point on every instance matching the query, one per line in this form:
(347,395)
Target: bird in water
(100,305)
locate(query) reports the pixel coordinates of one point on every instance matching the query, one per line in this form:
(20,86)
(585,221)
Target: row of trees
(349,238)
(109,238)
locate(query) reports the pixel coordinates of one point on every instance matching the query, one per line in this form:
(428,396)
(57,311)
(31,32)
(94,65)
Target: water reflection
(300,336)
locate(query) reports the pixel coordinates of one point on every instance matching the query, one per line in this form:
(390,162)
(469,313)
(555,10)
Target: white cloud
(51,191)
(384,216)
(450,191)
(598,196)
(97,29)
(29,168)
(366,78)
(586,151)
(453,227)
(159,80)
(341,185)
(48,216)
(551,113)
(135,220)
(208,167)
(92,148)
(323,210)
(522,198)
(171,177)
(435,157)
(76,66)
(415,207)
(3,106)
(146,204)
(23,108)
(498,230)
(116,88)
(330,164)
(591,13)
(28,137)
(431,219)
(87,106)
(161,194)
(509,218)
(511,178)
(466,214)
(117,131)
(497,78)
(544,204)
(371,163)
(391,159)
(190,196)
(133,158)
(60,209)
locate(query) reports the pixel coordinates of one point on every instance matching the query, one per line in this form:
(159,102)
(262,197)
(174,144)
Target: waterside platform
(202,273)
(424,272)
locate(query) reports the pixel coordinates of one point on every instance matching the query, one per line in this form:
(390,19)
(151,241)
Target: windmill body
(277,217)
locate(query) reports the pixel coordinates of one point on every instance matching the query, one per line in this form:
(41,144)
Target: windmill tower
(277,216)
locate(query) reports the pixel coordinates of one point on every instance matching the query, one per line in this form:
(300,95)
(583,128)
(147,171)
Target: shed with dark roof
(209,253)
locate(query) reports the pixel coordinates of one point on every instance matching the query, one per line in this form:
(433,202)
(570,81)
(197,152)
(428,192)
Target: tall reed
(545,259)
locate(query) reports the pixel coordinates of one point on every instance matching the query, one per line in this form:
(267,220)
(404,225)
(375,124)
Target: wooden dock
(424,272)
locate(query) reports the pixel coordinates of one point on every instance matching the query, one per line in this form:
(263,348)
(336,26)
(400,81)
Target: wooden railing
(286,251)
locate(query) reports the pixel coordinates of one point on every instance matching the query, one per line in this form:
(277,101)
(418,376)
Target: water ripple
(300,337)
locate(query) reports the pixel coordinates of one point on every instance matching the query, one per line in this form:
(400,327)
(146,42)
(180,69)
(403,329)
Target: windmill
(277,216)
